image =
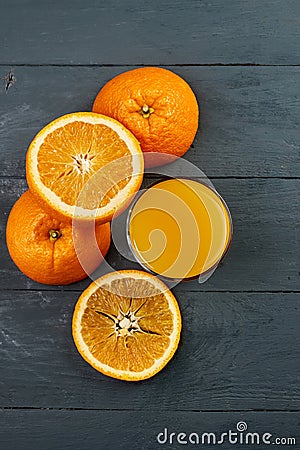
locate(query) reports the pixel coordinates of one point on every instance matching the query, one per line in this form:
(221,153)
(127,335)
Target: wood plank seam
(51,408)
(146,65)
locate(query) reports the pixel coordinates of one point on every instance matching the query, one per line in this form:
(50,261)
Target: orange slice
(85,165)
(127,325)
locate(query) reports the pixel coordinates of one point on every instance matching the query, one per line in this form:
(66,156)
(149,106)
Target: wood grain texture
(262,256)
(99,430)
(133,32)
(249,123)
(238,351)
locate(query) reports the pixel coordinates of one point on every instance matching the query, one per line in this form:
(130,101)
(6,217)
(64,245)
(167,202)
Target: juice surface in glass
(179,228)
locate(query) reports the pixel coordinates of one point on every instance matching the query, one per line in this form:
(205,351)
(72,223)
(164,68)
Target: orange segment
(85,164)
(127,325)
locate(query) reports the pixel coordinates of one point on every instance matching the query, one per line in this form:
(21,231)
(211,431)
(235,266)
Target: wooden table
(238,359)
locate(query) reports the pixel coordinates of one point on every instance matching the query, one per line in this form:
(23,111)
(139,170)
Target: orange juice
(179,228)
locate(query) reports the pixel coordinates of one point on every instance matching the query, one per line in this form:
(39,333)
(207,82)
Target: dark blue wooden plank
(156,32)
(263,255)
(249,123)
(238,351)
(99,430)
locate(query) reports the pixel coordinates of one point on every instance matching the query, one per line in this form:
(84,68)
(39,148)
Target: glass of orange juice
(179,228)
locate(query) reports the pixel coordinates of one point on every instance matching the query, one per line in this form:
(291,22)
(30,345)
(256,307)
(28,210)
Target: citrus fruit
(42,246)
(127,325)
(157,106)
(85,165)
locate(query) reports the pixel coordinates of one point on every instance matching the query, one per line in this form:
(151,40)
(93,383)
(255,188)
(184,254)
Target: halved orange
(127,325)
(85,165)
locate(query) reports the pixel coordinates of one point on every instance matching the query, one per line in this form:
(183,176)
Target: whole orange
(157,106)
(42,245)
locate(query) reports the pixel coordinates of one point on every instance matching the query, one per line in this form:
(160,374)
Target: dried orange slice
(85,165)
(127,325)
